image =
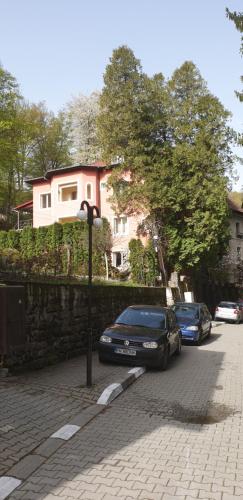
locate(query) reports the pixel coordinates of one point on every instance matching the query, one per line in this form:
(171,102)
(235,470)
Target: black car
(141,335)
(194,320)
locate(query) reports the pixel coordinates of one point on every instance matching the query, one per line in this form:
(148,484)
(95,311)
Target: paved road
(34,405)
(173,435)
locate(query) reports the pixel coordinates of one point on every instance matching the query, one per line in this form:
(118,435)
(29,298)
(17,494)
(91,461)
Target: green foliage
(9,101)
(237,18)
(13,239)
(131,126)
(3,240)
(143,262)
(150,265)
(136,255)
(174,140)
(55,249)
(32,140)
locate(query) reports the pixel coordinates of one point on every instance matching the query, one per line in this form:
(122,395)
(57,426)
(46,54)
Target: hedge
(55,249)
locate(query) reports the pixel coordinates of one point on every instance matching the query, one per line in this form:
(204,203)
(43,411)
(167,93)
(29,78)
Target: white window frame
(113,258)
(91,191)
(44,194)
(120,233)
(64,185)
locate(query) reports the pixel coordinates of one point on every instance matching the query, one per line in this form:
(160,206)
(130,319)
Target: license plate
(129,352)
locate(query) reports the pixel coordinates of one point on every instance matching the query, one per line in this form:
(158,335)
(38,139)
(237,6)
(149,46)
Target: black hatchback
(141,335)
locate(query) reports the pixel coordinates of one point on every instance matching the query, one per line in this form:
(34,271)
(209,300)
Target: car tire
(165,358)
(178,349)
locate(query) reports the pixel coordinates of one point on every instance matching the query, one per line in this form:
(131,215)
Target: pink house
(57,198)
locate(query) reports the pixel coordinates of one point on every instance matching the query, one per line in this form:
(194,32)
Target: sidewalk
(38,403)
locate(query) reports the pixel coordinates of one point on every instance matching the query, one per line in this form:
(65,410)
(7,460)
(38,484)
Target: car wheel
(165,359)
(178,349)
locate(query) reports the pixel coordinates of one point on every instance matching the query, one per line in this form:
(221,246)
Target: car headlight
(106,339)
(150,345)
(193,328)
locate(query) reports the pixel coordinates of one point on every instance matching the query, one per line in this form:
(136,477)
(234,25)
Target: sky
(57,49)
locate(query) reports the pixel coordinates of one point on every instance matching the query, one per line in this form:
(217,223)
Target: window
(89,191)
(117,259)
(237,229)
(103,186)
(68,192)
(45,200)
(120,225)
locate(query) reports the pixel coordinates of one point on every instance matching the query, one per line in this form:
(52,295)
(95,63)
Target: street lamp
(86,213)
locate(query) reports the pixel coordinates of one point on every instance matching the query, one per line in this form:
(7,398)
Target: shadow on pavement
(161,420)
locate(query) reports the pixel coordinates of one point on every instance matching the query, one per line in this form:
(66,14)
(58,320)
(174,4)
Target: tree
(81,113)
(174,143)
(192,190)
(237,18)
(43,140)
(9,102)
(131,127)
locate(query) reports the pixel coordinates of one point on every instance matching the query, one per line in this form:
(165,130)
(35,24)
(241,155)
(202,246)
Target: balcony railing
(23,224)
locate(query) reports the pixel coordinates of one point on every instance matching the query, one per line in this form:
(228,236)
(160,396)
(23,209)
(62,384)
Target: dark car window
(184,311)
(228,305)
(206,312)
(142,317)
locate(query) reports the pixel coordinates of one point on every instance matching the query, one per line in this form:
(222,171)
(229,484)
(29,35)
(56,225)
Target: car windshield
(228,305)
(142,317)
(185,311)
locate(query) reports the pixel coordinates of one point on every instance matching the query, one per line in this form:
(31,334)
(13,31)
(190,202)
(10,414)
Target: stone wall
(56,319)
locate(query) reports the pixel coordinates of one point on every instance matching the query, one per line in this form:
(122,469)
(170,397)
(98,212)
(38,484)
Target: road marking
(7,485)
(66,432)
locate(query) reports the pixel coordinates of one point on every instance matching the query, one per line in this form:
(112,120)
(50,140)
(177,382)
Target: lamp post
(91,214)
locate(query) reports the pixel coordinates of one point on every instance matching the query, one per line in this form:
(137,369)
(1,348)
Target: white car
(229,311)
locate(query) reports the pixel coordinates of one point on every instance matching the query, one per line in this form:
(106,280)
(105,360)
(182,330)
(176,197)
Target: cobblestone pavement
(36,404)
(171,435)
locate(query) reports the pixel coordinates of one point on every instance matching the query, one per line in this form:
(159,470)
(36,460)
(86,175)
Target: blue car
(194,320)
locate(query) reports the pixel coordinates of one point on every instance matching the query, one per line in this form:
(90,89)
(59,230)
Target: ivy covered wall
(55,249)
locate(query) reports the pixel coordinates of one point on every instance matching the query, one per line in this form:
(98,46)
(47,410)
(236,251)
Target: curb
(23,469)
(31,462)
(217,323)
(113,390)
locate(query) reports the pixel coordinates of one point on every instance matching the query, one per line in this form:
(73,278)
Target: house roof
(99,165)
(234,207)
(26,204)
